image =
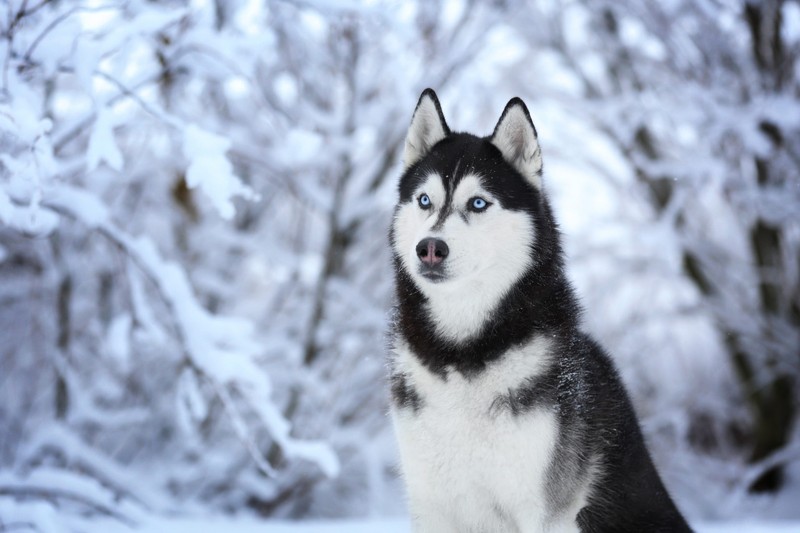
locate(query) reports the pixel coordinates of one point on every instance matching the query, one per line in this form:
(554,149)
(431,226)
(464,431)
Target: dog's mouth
(434,274)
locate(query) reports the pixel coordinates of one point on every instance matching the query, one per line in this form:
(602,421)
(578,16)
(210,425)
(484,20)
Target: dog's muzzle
(432,253)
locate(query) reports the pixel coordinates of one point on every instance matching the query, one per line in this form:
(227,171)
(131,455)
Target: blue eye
(478,204)
(424,201)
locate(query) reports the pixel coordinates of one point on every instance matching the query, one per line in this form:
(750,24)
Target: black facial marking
(448,182)
(444,212)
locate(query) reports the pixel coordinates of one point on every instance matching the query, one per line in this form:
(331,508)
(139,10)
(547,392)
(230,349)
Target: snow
(747,526)
(302,145)
(791,22)
(102,145)
(285,88)
(211,172)
(215,524)
(30,219)
(118,338)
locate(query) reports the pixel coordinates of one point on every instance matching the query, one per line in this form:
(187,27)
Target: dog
(508,417)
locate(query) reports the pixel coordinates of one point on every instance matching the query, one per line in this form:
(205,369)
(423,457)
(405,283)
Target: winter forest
(195,277)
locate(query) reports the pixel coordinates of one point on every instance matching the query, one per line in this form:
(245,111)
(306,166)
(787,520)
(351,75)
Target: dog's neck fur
(542,301)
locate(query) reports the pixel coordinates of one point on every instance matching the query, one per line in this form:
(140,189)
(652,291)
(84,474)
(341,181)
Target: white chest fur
(468,466)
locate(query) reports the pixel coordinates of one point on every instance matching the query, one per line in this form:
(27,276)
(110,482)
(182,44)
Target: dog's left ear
(428,127)
(515,136)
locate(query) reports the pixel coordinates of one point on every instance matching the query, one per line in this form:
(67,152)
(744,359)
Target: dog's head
(466,223)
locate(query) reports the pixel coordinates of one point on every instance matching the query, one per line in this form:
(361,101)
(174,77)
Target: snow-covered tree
(695,106)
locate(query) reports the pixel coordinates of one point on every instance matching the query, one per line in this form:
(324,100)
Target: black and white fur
(508,417)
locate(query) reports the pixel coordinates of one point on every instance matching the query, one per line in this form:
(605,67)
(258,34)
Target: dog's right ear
(428,127)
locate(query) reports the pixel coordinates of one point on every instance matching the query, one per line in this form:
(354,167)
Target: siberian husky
(508,417)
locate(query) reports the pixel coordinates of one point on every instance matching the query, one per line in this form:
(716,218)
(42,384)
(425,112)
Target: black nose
(432,251)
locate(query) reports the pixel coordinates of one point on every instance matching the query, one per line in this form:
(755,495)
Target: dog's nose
(432,251)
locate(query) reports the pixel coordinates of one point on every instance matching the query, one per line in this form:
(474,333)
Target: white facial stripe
(468,188)
(433,187)
(412,223)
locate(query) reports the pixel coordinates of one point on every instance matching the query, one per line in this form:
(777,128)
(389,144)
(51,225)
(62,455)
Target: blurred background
(194,270)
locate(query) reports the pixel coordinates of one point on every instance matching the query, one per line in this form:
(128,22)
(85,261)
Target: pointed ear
(515,136)
(427,128)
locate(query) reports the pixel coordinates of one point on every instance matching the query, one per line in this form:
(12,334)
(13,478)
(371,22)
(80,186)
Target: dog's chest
(464,452)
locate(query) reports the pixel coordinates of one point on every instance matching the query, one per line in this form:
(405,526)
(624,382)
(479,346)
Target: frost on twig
(218,349)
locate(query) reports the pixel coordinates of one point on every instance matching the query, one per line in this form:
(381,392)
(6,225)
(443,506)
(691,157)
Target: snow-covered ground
(399,525)
(41,516)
